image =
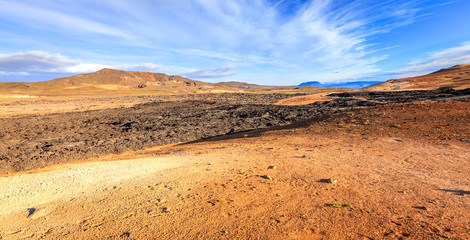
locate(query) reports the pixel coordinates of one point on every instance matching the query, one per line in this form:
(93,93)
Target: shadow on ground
(457,192)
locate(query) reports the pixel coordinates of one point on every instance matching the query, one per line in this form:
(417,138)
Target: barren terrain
(401,170)
(354,165)
(456,77)
(32,141)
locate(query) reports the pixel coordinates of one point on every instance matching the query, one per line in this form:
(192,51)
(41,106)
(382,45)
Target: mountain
(457,77)
(356,84)
(254,87)
(310,84)
(108,80)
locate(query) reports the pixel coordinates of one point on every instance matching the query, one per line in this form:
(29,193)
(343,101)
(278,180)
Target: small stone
(272,167)
(128,234)
(36,213)
(422,208)
(166,209)
(267,177)
(332,180)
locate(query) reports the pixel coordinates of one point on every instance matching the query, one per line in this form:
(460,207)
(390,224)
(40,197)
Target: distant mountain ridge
(311,84)
(249,86)
(111,80)
(355,84)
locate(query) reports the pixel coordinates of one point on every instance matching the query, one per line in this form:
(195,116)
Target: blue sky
(274,42)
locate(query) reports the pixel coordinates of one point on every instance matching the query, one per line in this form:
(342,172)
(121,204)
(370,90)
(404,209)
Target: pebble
(332,180)
(422,208)
(37,213)
(267,177)
(166,209)
(272,167)
(127,234)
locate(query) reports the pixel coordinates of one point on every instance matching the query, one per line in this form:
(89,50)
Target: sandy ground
(304,100)
(402,173)
(12,106)
(18,105)
(22,191)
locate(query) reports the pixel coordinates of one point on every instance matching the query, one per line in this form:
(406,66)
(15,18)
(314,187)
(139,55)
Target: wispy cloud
(2,73)
(40,61)
(223,71)
(52,20)
(437,60)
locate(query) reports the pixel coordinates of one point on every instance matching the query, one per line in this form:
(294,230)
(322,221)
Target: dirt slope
(401,170)
(457,77)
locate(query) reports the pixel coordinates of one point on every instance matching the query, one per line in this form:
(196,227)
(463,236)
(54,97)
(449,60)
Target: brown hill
(254,87)
(113,81)
(457,77)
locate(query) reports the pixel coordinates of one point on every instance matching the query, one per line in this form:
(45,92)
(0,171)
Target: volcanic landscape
(116,155)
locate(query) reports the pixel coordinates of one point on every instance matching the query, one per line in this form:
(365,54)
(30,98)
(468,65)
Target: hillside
(457,77)
(113,81)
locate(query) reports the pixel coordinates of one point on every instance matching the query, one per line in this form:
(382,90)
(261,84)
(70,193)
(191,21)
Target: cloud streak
(437,60)
(34,14)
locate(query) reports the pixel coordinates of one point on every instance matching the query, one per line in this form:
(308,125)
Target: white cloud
(223,71)
(2,73)
(437,60)
(40,61)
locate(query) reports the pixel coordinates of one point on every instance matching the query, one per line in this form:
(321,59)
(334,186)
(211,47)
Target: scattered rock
(36,213)
(166,209)
(272,167)
(267,177)
(332,180)
(422,208)
(128,234)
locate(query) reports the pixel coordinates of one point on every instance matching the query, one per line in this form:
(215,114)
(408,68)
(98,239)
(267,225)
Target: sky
(271,42)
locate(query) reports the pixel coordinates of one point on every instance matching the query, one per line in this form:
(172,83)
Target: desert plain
(194,163)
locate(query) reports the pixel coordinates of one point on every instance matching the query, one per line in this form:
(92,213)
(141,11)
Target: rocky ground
(30,142)
(400,171)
